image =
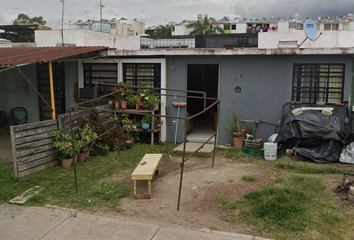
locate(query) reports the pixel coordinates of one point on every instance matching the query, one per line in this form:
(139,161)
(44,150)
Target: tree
(204,27)
(164,30)
(25,19)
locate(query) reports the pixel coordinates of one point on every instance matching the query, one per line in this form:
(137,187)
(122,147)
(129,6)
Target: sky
(156,12)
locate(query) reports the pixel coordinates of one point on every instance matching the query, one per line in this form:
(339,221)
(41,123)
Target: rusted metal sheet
(17,56)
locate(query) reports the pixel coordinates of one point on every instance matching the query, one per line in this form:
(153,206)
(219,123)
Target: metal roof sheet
(17,56)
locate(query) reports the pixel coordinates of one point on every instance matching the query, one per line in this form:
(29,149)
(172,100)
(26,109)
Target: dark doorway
(202,77)
(44,89)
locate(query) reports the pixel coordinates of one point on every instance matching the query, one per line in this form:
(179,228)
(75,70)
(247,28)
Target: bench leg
(149,186)
(134,187)
(159,168)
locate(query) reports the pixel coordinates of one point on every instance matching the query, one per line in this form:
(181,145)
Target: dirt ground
(201,183)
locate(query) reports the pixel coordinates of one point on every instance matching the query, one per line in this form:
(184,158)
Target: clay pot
(66,163)
(81,157)
(123,104)
(238,142)
(88,153)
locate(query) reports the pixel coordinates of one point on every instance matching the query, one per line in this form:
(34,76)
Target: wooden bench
(145,171)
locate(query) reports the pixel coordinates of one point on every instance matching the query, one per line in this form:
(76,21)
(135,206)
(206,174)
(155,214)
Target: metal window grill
(148,74)
(318,82)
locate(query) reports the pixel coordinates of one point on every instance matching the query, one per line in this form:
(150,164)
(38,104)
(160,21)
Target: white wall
(283,26)
(86,38)
(181,30)
(329,39)
(241,28)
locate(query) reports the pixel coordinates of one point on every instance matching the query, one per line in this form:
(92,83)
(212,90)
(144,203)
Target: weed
(112,190)
(310,168)
(249,179)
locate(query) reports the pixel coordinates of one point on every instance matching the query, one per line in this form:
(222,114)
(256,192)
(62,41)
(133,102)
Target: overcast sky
(154,12)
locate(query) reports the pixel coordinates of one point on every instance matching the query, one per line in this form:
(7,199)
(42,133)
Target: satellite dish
(310,29)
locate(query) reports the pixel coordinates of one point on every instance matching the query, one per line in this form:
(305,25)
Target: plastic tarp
(312,134)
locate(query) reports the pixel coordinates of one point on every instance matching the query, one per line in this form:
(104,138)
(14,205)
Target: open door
(202,77)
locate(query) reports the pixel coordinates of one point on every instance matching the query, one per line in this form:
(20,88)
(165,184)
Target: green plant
(85,135)
(233,123)
(121,90)
(132,99)
(146,119)
(112,190)
(62,143)
(249,179)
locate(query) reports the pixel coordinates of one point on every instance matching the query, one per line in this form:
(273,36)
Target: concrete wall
(265,82)
(181,30)
(86,38)
(329,39)
(13,92)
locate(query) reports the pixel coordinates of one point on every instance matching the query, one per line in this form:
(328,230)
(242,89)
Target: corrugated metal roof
(17,56)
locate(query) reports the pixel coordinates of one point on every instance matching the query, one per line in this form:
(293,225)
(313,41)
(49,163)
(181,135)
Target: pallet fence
(32,143)
(32,147)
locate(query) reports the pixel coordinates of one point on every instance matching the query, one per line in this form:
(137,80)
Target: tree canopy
(164,30)
(204,27)
(25,19)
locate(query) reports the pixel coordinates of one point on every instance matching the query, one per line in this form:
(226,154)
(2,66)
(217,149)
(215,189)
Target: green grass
(298,207)
(94,187)
(249,179)
(310,168)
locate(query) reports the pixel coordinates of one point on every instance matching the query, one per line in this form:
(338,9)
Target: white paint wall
(86,38)
(329,39)
(241,28)
(181,30)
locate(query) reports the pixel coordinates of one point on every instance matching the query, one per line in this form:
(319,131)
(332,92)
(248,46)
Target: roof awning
(18,56)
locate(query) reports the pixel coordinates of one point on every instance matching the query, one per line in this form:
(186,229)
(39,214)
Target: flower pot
(129,143)
(88,153)
(81,157)
(238,142)
(130,106)
(151,107)
(123,104)
(137,106)
(145,126)
(66,163)
(116,104)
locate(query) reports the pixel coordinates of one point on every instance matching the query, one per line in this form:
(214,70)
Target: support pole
(51,89)
(182,164)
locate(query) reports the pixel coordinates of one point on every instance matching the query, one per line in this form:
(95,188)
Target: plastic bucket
(270,151)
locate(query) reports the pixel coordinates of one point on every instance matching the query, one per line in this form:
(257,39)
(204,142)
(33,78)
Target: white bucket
(270,151)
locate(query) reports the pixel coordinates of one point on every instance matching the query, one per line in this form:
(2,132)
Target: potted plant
(131,100)
(62,143)
(121,94)
(234,130)
(127,122)
(84,136)
(130,140)
(145,122)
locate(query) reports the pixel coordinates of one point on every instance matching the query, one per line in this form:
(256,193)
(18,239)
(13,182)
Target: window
(148,74)
(233,27)
(327,27)
(318,82)
(227,27)
(292,24)
(100,73)
(335,26)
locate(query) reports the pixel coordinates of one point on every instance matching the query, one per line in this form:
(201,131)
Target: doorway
(202,77)
(45,113)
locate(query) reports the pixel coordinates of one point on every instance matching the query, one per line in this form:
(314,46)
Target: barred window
(148,74)
(318,82)
(100,73)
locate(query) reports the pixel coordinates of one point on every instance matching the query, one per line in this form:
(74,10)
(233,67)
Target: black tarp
(312,134)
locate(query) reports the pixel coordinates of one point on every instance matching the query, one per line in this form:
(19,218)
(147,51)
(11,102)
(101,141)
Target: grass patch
(249,179)
(298,207)
(59,183)
(310,168)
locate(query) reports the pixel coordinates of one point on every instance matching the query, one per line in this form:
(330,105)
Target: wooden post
(13,146)
(51,89)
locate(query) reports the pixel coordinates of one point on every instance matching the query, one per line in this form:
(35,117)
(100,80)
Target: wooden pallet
(251,143)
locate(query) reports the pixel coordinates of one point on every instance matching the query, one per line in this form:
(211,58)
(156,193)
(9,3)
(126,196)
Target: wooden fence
(32,144)
(32,147)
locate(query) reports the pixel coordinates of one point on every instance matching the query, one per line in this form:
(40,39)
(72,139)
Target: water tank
(200,16)
(349,16)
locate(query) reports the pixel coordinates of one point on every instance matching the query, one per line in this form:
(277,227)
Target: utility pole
(62,22)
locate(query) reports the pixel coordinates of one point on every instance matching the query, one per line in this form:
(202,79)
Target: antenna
(87,15)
